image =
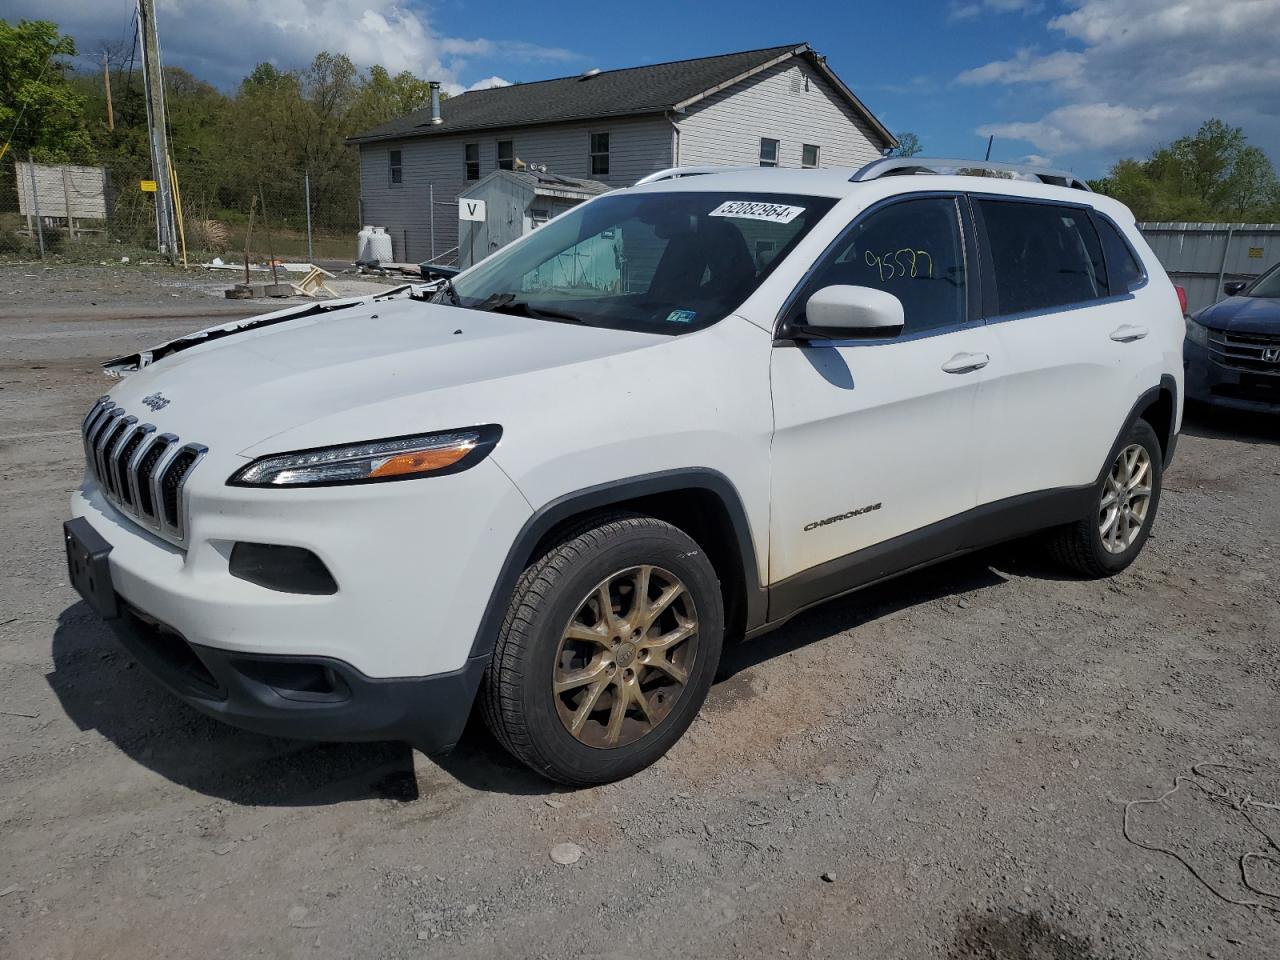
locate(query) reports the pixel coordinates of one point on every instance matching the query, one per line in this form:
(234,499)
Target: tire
(557,655)
(1104,542)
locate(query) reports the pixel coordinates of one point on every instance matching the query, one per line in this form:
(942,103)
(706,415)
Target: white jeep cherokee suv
(676,415)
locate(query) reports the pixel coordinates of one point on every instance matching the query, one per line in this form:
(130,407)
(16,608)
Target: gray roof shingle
(611,93)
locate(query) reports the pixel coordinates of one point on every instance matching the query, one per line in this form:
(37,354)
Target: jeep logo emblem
(156,401)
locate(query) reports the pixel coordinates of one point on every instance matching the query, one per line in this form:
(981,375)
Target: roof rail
(673,173)
(903,166)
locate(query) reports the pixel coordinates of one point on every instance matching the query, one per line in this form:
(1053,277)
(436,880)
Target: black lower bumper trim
(300,697)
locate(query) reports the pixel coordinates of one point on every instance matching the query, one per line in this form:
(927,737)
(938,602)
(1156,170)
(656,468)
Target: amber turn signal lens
(423,461)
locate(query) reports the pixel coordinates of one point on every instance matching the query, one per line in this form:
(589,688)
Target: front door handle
(1127,333)
(966,362)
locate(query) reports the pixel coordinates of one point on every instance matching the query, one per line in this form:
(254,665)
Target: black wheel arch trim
(1167,385)
(604,495)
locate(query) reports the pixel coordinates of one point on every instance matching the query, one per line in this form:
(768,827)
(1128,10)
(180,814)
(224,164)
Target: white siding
(636,148)
(727,126)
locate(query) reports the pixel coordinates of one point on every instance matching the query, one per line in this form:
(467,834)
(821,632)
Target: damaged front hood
(389,366)
(133,362)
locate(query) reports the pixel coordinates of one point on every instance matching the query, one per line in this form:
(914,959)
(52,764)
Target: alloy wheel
(625,657)
(1126,499)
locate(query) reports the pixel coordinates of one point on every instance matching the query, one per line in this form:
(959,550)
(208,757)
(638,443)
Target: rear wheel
(607,651)
(1112,535)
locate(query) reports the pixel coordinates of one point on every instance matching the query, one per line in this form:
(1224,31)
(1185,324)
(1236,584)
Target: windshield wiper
(507,303)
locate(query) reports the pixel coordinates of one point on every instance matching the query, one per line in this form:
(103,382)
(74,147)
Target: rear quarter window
(1123,270)
(1043,256)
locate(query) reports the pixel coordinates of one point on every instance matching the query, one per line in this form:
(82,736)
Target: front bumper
(306,698)
(1209,381)
(388,655)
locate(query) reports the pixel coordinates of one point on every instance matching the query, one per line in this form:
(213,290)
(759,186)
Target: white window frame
(817,156)
(395,164)
(511,160)
(777,152)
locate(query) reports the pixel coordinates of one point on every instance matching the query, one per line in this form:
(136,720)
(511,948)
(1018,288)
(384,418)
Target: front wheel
(607,651)
(1111,536)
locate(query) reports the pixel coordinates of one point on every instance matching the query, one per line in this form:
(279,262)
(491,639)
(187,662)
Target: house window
(768,152)
(471,153)
(599,151)
(506,155)
(809,156)
(395,168)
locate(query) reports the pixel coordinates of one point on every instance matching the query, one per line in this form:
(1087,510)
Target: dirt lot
(936,768)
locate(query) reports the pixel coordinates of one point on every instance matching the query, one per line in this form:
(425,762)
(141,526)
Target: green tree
(908,145)
(383,97)
(1214,174)
(34,86)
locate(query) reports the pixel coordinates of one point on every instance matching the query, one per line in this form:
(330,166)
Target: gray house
(780,106)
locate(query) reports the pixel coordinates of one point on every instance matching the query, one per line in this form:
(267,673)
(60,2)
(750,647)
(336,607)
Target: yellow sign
(147,186)
(1255,253)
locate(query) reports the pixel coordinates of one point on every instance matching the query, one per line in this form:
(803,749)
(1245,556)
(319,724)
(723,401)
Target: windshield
(660,262)
(1267,286)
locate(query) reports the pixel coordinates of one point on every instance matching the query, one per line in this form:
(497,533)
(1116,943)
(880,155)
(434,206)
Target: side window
(1123,270)
(395,166)
(506,155)
(1042,256)
(809,154)
(471,160)
(768,152)
(914,250)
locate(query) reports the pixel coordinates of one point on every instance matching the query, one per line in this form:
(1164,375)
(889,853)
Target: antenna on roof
(588,74)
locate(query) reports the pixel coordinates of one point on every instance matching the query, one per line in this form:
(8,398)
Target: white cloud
(221,41)
(488,83)
(967,11)
(1083,126)
(1135,73)
(1063,66)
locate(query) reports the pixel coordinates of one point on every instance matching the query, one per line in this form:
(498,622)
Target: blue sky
(1075,82)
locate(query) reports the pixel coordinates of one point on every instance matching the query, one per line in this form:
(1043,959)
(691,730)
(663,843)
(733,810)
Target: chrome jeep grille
(142,473)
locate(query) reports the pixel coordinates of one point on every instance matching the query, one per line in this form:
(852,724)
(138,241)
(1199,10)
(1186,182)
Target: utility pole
(306,192)
(157,127)
(106,83)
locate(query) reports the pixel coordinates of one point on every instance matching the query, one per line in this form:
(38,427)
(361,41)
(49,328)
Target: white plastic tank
(379,248)
(362,244)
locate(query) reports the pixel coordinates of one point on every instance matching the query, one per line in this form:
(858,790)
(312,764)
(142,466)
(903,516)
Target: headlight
(1197,333)
(398,458)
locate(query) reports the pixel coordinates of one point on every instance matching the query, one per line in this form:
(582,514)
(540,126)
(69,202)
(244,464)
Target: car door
(1063,371)
(872,441)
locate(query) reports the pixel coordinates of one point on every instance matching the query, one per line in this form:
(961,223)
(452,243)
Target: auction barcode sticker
(756,210)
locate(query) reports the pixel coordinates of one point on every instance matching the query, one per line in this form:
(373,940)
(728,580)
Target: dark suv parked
(1232,351)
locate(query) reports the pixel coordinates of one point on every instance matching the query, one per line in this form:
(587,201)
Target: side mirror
(841,311)
(1234,287)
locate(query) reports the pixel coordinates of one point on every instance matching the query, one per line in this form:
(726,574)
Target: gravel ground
(934,768)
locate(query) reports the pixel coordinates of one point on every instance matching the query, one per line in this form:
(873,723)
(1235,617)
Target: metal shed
(516,202)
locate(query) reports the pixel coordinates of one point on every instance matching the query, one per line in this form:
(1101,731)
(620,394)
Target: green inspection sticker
(681,316)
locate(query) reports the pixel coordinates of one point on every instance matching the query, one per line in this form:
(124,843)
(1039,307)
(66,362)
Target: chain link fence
(103,211)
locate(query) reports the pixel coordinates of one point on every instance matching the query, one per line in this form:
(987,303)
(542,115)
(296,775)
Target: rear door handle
(966,362)
(1127,333)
